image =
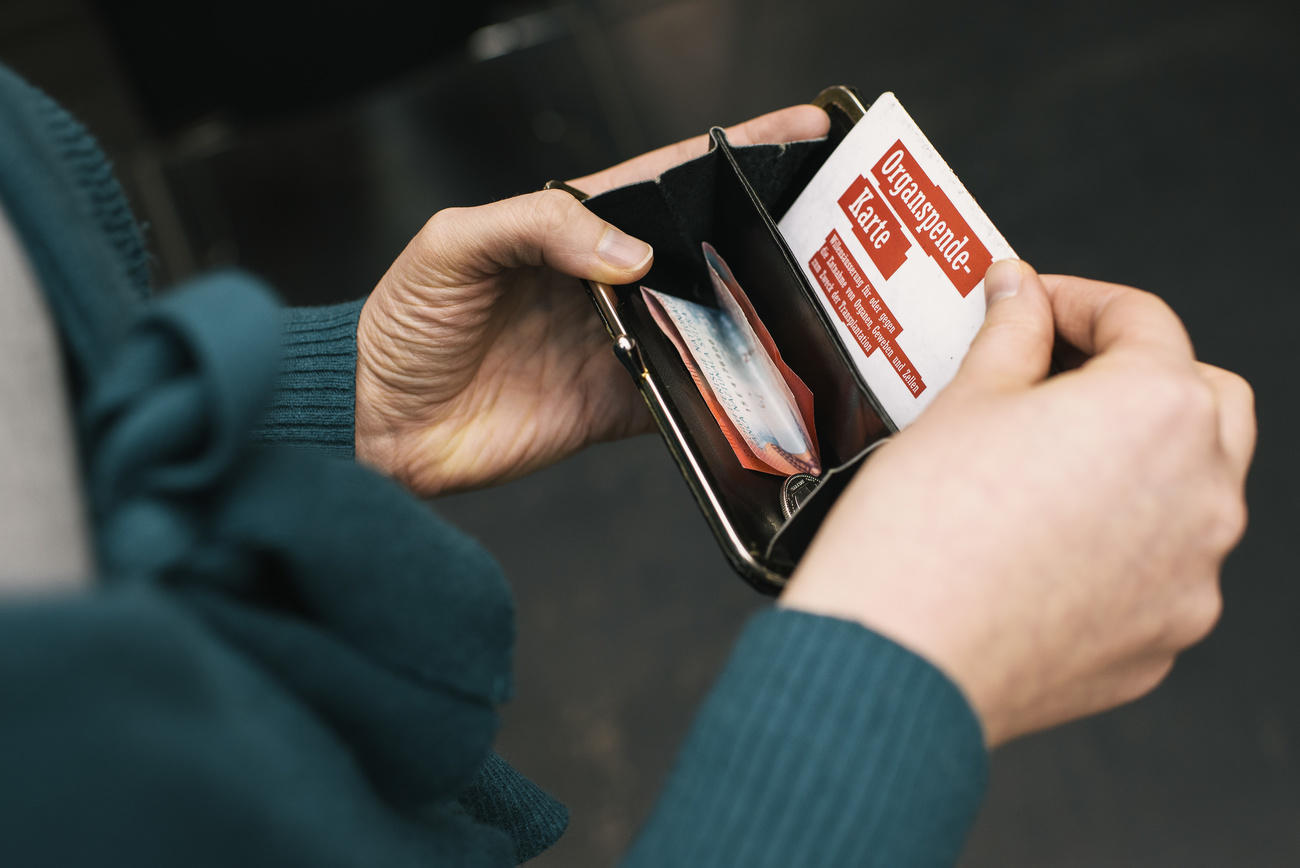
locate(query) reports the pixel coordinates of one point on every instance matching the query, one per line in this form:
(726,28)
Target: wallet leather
(731,198)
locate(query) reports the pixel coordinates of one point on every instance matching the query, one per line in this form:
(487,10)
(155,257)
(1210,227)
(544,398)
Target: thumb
(549,228)
(1013,348)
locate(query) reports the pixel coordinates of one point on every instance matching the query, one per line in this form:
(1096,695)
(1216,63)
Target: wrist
(394,433)
(375,446)
(376,439)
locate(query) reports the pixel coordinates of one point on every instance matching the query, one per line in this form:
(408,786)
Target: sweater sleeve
(314,401)
(821,744)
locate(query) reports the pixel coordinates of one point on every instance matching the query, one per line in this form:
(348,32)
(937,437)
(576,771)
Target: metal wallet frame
(845,108)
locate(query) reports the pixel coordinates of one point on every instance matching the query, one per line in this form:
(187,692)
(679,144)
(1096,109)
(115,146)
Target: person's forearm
(821,744)
(314,398)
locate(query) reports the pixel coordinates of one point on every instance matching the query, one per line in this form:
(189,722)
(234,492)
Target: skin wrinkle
(1083,519)
(1164,584)
(470,298)
(463,448)
(404,371)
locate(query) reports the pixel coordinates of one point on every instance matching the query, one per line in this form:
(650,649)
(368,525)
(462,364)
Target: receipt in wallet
(762,407)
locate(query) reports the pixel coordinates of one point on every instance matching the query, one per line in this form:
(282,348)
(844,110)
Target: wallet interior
(728,198)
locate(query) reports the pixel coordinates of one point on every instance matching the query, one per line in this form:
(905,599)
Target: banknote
(762,407)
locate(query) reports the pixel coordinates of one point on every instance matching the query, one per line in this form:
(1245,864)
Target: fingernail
(1003,279)
(622,250)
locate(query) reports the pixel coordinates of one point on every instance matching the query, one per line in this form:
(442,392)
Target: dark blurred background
(1143,142)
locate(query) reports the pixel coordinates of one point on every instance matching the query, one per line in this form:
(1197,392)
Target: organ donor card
(896,249)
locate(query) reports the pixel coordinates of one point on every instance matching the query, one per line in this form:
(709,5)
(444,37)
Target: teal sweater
(288,660)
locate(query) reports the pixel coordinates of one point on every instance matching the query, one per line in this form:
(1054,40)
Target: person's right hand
(1050,544)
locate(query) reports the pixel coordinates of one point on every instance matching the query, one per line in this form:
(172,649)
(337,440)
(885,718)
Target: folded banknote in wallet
(894,247)
(763,408)
(843,293)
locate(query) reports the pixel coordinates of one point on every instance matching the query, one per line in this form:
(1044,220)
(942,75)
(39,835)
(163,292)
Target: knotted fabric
(287,659)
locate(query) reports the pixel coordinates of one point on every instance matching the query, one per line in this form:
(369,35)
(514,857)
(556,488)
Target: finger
(1098,317)
(792,124)
(549,228)
(786,125)
(1013,348)
(1237,427)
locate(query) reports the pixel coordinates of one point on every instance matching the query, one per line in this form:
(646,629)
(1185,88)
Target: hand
(1050,544)
(479,356)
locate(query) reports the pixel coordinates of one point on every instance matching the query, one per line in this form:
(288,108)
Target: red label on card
(932,219)
(875,226)
(858,305)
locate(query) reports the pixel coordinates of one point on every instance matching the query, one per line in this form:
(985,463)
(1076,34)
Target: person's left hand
(479,356)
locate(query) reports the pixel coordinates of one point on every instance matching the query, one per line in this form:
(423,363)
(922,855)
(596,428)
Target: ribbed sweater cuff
(822,744)
(314,402)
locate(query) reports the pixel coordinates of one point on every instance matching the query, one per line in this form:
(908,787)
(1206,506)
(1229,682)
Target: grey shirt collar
(44,537)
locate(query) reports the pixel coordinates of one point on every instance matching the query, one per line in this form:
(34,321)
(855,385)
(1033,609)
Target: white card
(896,250)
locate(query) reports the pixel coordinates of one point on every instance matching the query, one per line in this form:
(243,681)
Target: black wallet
(732,197)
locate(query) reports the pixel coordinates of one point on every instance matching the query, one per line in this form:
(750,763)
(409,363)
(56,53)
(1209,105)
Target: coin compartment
(728,198)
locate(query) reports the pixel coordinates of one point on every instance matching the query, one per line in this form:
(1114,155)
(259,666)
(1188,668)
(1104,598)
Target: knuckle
(1021,327)
(1240,515)
(1191,617)
(1183,398)
(1235,390)
(440,252)
(436,226)
(1156,309)
(1238,384)
(1230,519)
(1156,303)
(1247,393)
(1130,303)
(1245,400)
(1147,678)
(1156,675)
(1001,330)
(1203,613)
(1197,400)
(552,210)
